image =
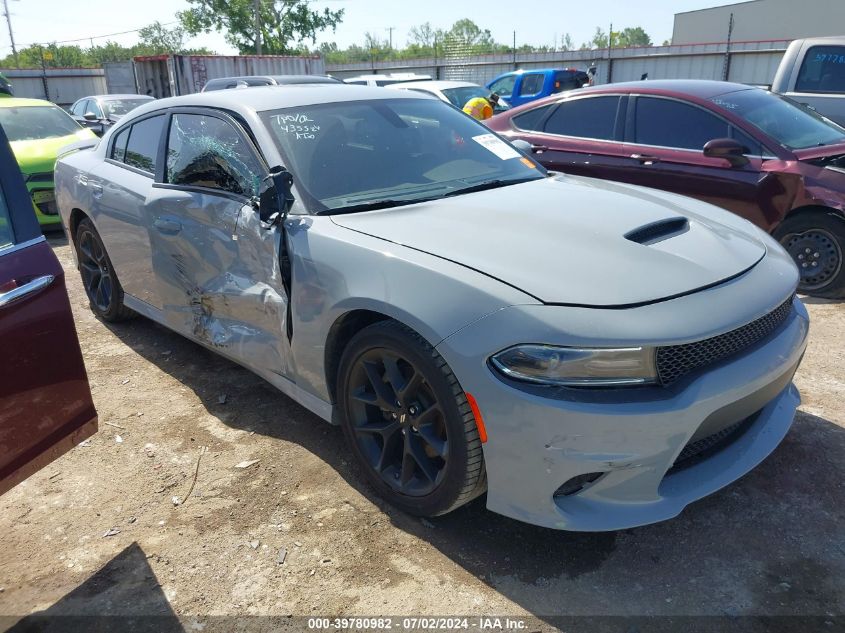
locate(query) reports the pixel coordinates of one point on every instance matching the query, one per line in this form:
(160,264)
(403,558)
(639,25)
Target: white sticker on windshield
(497,146)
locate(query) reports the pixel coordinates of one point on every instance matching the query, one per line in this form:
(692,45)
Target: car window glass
(667,123)
(754,147)
(532,84)
(6,235)
(351,153)
(504,86)
(79,108)
(142,147)
(531,120)
(823,70)
(568,80)
(28,123)
(118,148)
(585,118)
(204,151)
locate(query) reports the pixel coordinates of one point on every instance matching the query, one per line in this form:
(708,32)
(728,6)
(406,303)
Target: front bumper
(538,440)
(44,203)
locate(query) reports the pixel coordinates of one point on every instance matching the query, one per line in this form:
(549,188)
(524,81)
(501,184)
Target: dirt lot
(771,544)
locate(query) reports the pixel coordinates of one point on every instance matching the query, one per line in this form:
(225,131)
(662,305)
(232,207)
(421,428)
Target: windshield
(792,125)
(119,107)
(359,154)
(458,97)
(34,122)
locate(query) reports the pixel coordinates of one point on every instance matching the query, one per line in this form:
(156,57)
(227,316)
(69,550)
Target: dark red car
(45,402)
(760,155)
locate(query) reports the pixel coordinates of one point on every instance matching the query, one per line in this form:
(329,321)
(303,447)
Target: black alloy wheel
(98,277)
(408,422)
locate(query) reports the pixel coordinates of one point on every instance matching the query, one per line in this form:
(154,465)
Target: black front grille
(675,361)
(44,176)
(696,451)
(48,208)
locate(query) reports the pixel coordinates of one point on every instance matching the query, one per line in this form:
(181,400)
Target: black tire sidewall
(114,311)
(402,342)
(833,224)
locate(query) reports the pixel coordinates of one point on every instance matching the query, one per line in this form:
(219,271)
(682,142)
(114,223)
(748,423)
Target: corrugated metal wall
(749,62)
(164,76)
(59,85)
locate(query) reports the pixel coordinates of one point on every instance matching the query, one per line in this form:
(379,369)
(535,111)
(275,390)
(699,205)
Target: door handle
(96,189)
(539,149)
(645,159)
(168,227)
(15,294)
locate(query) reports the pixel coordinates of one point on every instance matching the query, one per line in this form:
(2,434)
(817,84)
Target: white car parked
(455,92)
(385,80)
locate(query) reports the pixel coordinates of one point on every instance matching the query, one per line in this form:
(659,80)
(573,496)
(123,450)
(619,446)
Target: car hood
(39,155)
(563,239)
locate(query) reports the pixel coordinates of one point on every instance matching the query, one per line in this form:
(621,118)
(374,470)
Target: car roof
(522,71)
(261,98)
(279,79)
(436,84)
(115,97)
(22,102)
(701,88)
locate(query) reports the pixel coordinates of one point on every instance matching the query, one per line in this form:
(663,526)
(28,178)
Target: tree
(566,42)
(423,36)
(632,36)
(158,39)
(468,36)
(599,39)
(285,25)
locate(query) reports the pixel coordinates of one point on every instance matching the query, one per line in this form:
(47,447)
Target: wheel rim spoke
(384,396)
(397,422)
(388,449)
(437,444)
(422,460)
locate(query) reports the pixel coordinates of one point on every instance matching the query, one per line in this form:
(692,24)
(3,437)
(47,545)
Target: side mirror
(522,146)
(276,195)
(89,116)
(730,149)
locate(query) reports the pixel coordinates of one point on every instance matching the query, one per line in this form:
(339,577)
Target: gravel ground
(100,532)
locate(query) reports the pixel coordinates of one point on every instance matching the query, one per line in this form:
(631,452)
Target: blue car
(522,86)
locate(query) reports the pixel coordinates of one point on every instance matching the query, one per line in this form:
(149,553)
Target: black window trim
(218,114)
(618,125)
(126,126)
(631,126)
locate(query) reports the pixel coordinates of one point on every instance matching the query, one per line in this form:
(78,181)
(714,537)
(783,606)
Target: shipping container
(62,86)
(171,75)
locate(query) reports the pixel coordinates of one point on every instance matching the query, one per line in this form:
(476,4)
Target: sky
(540,22)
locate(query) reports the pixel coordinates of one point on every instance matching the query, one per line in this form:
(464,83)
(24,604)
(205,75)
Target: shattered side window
(204,151)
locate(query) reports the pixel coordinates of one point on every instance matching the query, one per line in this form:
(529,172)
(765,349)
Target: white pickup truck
(812,72)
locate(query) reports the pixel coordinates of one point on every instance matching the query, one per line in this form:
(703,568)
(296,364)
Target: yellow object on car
(479,108)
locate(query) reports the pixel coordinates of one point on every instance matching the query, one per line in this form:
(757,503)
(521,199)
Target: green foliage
(285,25)
(631,36)
(155,39)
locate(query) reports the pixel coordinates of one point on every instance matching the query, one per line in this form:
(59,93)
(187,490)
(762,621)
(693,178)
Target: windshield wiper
(384,203)
(488,184)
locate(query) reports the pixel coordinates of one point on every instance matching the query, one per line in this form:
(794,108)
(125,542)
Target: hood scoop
(654,232)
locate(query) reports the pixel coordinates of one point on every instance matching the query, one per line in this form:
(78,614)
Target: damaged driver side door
(216,267)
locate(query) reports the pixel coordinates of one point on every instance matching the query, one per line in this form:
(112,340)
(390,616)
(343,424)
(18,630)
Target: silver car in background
(592,355)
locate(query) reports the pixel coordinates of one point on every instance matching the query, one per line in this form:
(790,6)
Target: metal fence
(59,85)
(743,62)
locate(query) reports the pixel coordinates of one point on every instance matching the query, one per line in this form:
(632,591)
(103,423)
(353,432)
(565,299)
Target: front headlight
(577,367)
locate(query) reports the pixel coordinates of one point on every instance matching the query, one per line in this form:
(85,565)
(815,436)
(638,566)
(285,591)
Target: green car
(37,130)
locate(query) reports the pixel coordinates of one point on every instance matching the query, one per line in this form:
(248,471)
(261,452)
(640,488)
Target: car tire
(816,242)
(105,294)
(408,421)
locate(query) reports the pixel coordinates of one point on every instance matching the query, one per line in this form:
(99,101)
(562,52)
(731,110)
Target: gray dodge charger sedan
(591,355)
